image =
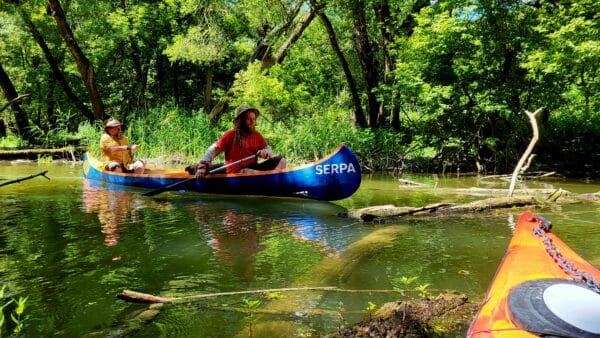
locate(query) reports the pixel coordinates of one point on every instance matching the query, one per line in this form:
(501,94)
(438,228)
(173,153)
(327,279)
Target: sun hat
(243,109)
(112,122)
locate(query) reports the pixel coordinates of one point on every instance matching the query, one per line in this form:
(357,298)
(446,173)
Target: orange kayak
(541,288)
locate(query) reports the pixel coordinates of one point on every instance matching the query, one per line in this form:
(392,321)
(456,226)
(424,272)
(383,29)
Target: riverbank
(73,153)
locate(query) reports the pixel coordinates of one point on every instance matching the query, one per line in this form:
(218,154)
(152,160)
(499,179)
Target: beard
(246,129)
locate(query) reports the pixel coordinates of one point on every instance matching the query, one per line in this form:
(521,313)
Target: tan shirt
(121,156)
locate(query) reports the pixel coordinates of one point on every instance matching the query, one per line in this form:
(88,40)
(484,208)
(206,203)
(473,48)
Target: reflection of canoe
(542,288)
(334,177)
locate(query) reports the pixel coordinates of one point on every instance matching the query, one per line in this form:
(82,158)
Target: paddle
(175,185)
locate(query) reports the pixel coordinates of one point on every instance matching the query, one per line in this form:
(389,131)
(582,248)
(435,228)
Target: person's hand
(202,169)
(133,147)
(262,153)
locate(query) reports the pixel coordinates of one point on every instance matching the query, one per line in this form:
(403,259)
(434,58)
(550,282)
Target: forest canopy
(424,85)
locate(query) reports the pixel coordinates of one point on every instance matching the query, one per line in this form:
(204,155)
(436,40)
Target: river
(71,245)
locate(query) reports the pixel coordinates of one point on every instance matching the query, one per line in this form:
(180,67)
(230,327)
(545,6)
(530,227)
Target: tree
(21,118)
(85,67)
(54,66)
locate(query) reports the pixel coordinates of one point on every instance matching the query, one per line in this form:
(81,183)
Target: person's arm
(204,164)
(132,147)
(211,153)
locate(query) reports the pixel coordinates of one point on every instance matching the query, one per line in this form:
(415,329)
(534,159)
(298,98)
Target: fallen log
(35,153)
(332,269)
(43,173)
(379,213)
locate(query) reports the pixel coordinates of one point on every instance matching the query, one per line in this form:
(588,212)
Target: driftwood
(139,297)
(331,270)
(32,154)
(531,176)
(43,173)
(377,213)
(519,169)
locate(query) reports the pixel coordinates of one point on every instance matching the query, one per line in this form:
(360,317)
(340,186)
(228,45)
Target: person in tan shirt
(117,153)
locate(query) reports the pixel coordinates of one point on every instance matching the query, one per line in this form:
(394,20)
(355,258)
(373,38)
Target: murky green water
(71,246)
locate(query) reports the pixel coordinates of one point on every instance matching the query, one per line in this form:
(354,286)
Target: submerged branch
(139,297)
(43,173)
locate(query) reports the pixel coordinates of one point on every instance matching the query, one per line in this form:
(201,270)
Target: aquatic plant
(16,314)
(371,307)
(249,307)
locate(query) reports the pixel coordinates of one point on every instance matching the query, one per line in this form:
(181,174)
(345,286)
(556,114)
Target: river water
(71,245)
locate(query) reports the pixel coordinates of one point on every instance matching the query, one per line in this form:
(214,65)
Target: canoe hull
(526,261)
(335,177)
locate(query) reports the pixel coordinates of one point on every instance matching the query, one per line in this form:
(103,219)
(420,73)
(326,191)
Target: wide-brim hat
(112,122)
(243,109)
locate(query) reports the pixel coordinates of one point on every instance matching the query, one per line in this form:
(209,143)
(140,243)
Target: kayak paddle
(175,185)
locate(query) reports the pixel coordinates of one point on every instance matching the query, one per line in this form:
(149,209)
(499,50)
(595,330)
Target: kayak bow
(541,288)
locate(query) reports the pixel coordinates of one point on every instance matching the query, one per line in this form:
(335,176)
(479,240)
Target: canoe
(336,176)
(541,288)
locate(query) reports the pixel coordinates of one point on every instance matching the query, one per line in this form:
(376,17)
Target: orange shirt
(121,156)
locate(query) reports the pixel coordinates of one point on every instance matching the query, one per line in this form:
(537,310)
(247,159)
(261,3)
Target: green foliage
(12,141)
(463,73)
(371,308)
(249,306)
(16,308)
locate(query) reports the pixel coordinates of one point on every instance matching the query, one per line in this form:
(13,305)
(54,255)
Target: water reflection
(114,207)
(234,238)
(310,220)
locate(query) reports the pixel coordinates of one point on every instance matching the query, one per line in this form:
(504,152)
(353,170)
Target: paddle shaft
(174,185)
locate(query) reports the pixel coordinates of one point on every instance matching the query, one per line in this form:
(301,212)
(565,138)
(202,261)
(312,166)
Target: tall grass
(176,135)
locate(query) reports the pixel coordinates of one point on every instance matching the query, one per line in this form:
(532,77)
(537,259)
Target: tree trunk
(141,76)
(296,33)
(263,52)
(85,67)
(2,128)
(58,76)
(366,58)
(359,114)
(208,90)
(383,14)
(21,117)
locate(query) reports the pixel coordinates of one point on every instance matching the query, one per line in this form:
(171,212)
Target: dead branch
(15,100)
(43,173)
(139,297)
(526,154)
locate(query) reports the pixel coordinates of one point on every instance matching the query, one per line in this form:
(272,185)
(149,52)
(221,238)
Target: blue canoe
(334,177)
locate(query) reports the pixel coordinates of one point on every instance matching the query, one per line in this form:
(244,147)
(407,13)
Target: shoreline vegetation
(174,137)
